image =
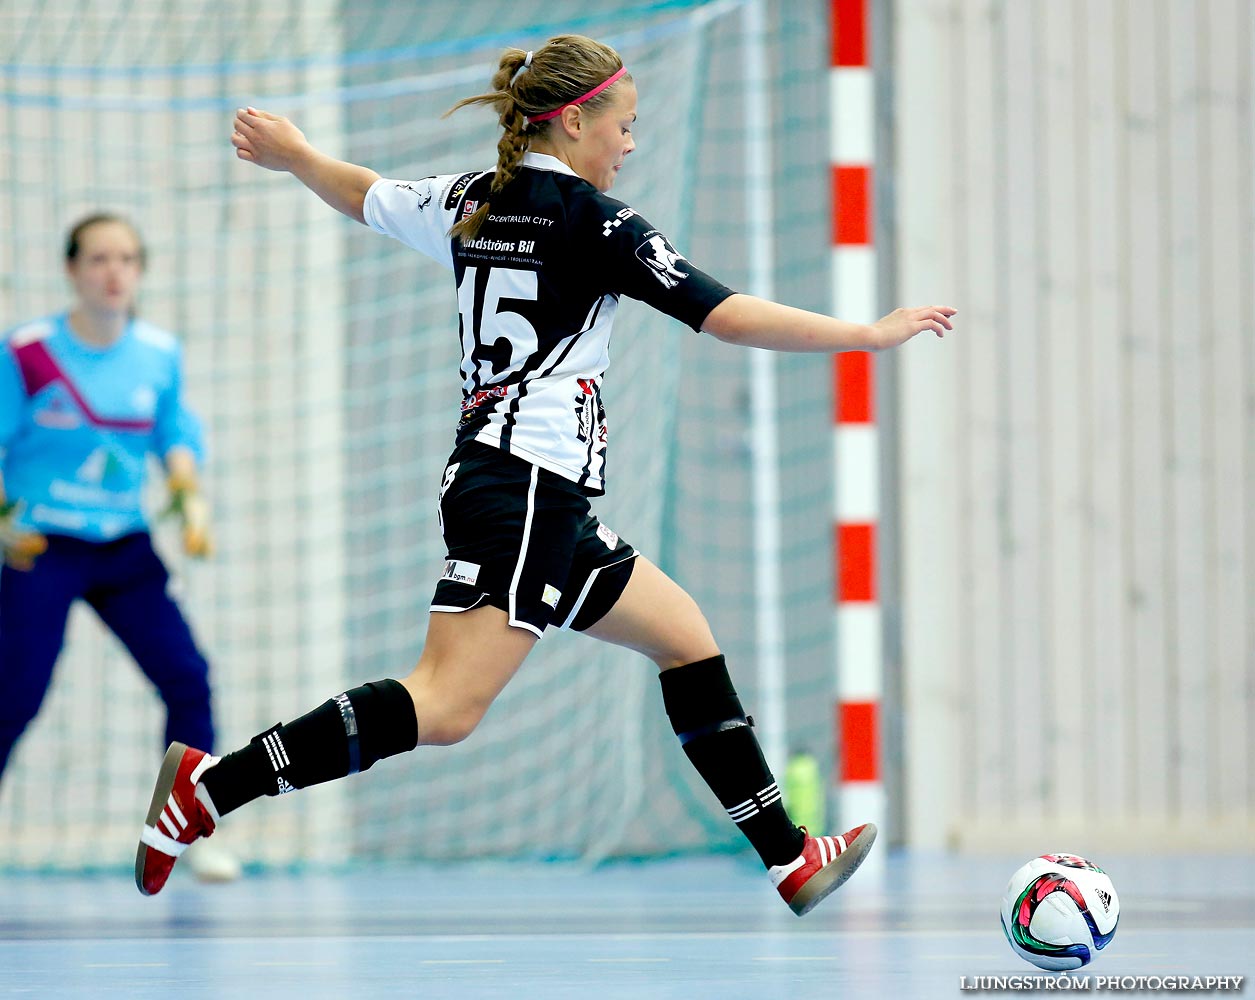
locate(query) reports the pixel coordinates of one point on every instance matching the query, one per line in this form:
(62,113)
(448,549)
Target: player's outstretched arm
(753,322)
(273,142)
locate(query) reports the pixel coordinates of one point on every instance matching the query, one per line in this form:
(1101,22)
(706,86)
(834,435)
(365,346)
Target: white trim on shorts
(453,608)
(518,566)
(588,585)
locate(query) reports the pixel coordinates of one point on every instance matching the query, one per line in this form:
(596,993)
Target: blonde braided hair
(562,70)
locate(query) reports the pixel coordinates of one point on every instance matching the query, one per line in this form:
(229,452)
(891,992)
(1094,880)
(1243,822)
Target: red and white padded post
(860,788)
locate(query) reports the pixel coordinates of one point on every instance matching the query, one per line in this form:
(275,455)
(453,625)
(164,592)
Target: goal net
(320,358)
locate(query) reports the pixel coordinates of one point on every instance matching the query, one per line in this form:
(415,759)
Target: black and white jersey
(537,293)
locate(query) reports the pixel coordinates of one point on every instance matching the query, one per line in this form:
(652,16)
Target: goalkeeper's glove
(19,546)
(192,510)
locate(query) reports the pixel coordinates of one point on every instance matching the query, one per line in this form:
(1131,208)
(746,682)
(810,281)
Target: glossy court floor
(690,928)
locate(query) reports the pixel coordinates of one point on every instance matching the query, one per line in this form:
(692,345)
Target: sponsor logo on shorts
(607,536)
(551,596)
(460,571)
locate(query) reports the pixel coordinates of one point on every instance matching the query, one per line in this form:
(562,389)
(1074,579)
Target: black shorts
(523,539)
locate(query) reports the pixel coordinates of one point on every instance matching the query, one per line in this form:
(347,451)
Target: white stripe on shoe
(199,770)
(167,820)
(202,796)
(158,841)
(780,872)
(844,845)
(176,812)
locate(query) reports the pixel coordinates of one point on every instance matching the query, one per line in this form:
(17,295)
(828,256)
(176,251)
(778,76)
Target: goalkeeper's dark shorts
(523,539)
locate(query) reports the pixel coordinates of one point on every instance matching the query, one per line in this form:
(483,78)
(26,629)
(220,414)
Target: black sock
(346,734)
(718,737)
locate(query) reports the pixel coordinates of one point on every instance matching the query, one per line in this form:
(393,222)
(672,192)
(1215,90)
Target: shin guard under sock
(344,735)
(718,737)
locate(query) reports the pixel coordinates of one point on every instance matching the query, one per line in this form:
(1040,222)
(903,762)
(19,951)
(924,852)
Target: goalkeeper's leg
(133,600)
(34,605)
(467,660)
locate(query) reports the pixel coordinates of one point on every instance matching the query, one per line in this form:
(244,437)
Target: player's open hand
(270,141)
(903,324)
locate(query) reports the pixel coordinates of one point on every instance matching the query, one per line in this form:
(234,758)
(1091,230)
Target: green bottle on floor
(804,793)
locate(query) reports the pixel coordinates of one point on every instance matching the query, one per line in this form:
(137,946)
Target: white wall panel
(1092,162)
(982,624)
(1227,303)
(1064,433)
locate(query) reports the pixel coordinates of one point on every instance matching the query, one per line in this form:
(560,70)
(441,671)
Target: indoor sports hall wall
(1078,462)
(320,357)
(1075,467)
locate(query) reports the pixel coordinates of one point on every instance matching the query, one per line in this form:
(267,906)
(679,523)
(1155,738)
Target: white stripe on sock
(278,751)
(755,804)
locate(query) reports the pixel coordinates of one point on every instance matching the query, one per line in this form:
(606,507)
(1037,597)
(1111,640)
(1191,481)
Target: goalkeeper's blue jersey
(77,424)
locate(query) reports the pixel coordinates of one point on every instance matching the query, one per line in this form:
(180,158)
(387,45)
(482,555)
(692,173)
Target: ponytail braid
(512,144)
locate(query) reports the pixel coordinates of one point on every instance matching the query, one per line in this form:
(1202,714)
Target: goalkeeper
(85,397)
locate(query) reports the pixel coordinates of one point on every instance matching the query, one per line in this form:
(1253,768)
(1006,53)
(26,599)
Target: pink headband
(533,119)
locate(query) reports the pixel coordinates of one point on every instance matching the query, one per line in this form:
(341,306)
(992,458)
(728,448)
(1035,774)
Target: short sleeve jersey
(537,293)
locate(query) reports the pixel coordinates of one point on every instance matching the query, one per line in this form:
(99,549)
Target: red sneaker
(824,864)
(176,817)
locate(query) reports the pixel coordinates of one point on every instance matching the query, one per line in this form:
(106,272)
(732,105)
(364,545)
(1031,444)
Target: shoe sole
(831,878)
(161,794)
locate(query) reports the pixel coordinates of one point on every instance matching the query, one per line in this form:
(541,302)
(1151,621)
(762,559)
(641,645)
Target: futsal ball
(1059,911)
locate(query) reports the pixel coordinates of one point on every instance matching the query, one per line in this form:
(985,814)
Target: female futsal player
(85,397)
(540,257)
